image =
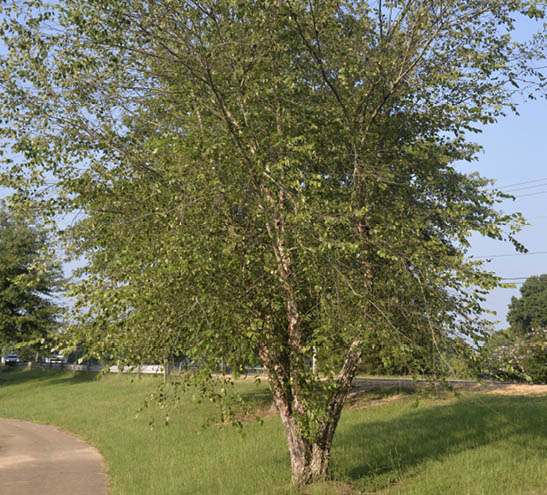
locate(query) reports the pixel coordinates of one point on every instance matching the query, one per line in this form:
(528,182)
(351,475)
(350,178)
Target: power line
(530,194)
(515,189)
(521,183)
(511,254)
(519,278)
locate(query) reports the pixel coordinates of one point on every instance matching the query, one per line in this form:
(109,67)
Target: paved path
(42,460)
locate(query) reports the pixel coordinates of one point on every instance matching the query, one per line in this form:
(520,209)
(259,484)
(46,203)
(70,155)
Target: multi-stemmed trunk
(309,459)
(310,451)
(282,353)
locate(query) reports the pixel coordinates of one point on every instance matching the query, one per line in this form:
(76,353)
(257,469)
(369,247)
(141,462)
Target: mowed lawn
(471,445)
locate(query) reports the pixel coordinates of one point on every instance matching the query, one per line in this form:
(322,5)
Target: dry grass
(484,387)
(510,388)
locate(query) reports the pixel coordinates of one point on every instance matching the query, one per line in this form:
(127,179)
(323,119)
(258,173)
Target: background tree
(29,278)
(518,358)
(268,179)
(520,352)
(530,310)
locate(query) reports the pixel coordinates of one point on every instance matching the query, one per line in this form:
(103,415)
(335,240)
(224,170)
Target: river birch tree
(268,181)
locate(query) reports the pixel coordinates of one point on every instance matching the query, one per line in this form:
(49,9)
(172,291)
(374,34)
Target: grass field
(471,445)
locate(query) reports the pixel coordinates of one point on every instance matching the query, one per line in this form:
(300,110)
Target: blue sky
(515,156)
(515,151)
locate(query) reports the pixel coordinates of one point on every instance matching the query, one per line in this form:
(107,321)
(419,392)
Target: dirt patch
(488,387)
(358,399)
(370,392)
(509,388)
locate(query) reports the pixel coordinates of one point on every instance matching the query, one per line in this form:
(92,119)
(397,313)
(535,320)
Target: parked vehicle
(11,360)
(54,359)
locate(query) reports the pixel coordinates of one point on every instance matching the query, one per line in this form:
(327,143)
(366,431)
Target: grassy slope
(474,445)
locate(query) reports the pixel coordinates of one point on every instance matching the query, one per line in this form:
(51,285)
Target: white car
(11,360)
(55,359)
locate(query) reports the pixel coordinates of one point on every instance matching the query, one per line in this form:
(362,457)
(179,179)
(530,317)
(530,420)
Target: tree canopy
(529,311)
(520,351)
(268,181)
(29,276)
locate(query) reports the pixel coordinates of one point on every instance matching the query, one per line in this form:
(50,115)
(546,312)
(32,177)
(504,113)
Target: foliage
(267,180)
(29,277)
(530,310)
(423,358)
(521,358)
(519,353)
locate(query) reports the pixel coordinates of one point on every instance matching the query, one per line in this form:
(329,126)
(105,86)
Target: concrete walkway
(42,460)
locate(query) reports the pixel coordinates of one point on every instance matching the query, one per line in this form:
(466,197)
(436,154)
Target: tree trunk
(309,456)
(309,461)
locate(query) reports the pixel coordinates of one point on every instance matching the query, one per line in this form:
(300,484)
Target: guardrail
(147,369)
(144,369)
(150,369)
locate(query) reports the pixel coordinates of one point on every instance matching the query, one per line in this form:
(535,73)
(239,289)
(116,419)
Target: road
(43,460)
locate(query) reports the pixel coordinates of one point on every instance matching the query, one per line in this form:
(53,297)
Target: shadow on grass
(385,450)
(259,397)
(20,376)
(363,396)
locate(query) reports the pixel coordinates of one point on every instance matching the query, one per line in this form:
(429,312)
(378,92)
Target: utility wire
(526,185)
(522,183)
(530,194)
(507,255)
(515,189)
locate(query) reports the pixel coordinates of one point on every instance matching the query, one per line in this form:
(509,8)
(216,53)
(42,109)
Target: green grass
(472,445)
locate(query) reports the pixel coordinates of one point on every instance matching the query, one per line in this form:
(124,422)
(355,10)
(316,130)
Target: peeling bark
(310,457)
